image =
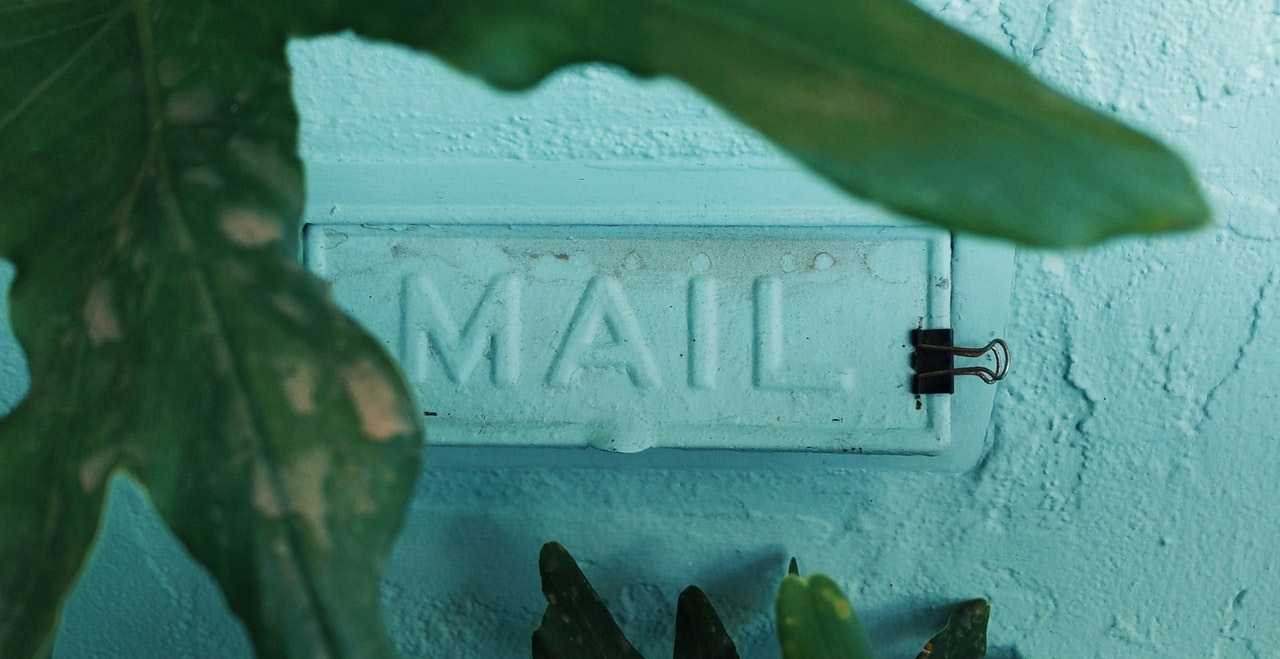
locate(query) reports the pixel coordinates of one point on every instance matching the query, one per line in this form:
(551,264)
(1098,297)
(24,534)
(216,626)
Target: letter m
(429,329)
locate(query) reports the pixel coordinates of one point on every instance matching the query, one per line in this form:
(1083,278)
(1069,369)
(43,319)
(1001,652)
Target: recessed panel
(626,338)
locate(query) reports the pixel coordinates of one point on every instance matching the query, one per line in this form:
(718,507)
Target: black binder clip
(934,361)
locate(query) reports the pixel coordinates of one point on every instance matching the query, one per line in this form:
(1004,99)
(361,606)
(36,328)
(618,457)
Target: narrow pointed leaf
(576,624)
(964,637)
(150,204)
(699,632)
(876,95)
(816,621)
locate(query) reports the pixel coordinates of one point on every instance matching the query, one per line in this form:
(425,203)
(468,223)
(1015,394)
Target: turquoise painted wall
(1128,504)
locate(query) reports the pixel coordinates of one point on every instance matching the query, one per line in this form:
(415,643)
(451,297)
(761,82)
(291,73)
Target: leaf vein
(57,31)
(203,283)
(41,87)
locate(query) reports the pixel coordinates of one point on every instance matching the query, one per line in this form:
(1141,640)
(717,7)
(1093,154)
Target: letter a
(604,306)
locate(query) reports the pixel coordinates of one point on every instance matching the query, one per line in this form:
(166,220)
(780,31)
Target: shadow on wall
(465,576)
(914,620)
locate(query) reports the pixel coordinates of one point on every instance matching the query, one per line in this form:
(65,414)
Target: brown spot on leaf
(375,402)
(249,228)
(357,490)
(300,387)
(94,469)
(205,177)
(273,166)
(191,107)
(298,490)
(140,259)
(266,497)
(304,481)
(290,307)
(100,315)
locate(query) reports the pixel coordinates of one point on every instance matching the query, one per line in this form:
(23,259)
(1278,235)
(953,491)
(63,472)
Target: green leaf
(964,637)
(876,95)
(150,203)
(816,621)
(699,632)
(576,624)
(49,521)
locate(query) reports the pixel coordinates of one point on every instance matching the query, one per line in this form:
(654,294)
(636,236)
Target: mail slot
(760,330)
(629,338)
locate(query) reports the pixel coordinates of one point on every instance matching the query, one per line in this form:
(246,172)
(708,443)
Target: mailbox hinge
(934,361)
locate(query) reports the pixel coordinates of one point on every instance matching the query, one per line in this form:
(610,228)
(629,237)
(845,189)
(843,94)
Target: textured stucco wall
(1128,505)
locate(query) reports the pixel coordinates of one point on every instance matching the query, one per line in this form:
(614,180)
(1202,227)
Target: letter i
(703,332)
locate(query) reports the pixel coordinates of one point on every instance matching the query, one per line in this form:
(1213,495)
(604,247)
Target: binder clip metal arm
(934,361)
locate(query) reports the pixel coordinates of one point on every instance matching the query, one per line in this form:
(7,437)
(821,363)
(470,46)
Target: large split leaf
(576,624)
(874,94)
(150,197)
(816,621)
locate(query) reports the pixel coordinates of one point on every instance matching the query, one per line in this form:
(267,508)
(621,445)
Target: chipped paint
(375,401)
(99,313)
(249,228)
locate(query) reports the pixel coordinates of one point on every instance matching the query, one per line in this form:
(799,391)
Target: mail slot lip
(320,237)
(574,228)
(684,437)
(391,252)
